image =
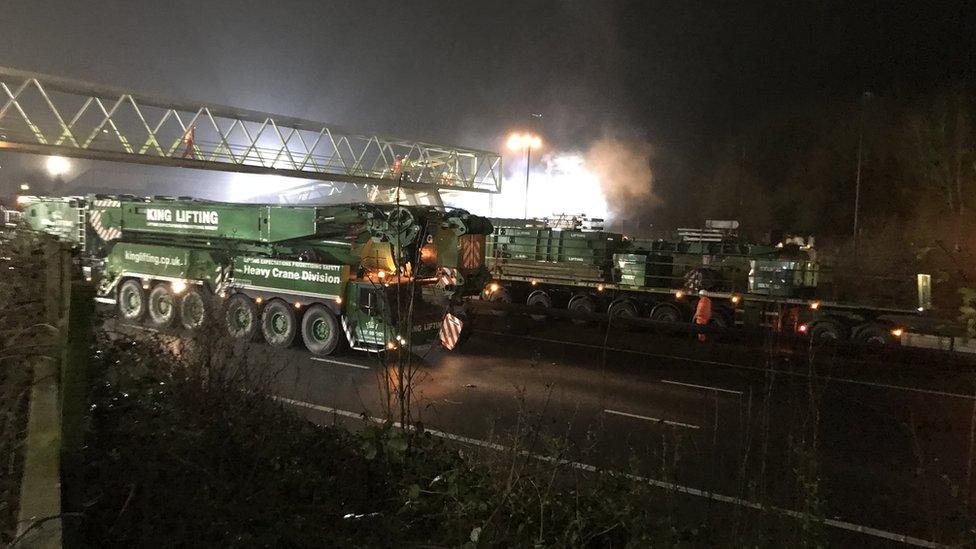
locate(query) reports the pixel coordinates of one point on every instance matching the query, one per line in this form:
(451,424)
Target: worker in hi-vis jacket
(703,312)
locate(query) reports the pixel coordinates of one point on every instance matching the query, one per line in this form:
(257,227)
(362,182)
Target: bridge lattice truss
(50,115)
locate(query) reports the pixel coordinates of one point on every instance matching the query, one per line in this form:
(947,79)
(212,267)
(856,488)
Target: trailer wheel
(622,309)
(278,323)
(666,312)
(162,305)
(131,300)
(827,331)
(540,300)
(320,330)
(241,317)
(873,333)
(581,303)
(500,295)
(194,308)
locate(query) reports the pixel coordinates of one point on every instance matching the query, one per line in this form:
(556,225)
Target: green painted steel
(292,277)
(582,256)
(165,262)
(783,278)
(303,254)
(255,223)
(61,217)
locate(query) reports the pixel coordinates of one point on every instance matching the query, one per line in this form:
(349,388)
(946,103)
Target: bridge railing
(51,115)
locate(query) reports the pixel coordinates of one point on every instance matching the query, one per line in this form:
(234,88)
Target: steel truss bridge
(49,115)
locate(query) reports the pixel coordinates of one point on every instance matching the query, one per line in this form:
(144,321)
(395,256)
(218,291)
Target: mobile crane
(326,274)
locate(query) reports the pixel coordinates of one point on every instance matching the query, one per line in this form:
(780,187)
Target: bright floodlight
(522,141)
(24,187)
(515,141)
(57,165)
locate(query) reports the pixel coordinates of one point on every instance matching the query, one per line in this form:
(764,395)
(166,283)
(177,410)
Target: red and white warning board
(447,276)
(451,331)
(472,251)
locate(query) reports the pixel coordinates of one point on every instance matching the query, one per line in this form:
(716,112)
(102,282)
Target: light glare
(522,141)
(57,165)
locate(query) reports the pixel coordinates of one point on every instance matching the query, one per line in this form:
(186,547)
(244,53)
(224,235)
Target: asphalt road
(864,441)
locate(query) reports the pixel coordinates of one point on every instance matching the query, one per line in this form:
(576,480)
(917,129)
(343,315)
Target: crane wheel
(131,300)
(162,305)
(195,308)
(278,323)
(321,332)
(241,317)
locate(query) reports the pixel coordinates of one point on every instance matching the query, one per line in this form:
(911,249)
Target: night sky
(681,76)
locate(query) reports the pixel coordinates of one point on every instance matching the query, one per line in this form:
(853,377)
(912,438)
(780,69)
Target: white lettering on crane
(157,214)
(193,217)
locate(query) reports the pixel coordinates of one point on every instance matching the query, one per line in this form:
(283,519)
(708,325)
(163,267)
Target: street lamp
(527,141)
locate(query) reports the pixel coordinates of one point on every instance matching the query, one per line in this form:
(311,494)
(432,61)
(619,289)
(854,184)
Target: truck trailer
(371,276)
(769,286)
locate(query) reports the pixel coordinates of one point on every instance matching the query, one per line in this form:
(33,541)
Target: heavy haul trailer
(774,287)
(321,273)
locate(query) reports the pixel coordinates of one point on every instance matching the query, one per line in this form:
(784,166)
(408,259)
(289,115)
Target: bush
(187,449)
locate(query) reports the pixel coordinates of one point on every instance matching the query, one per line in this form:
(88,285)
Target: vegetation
(184,451)
(22,338)
(798,171)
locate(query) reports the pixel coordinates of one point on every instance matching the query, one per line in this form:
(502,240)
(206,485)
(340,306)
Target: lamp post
(865,97)
(527,141)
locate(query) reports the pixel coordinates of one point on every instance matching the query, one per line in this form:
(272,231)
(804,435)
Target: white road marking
(840,524)
(654,419)
(741,366)
(340,363)
(144,328)
(706,387)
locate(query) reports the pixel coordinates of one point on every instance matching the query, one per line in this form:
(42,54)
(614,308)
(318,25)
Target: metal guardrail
(44,114)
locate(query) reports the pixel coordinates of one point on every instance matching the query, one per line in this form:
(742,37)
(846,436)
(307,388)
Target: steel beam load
(44,114)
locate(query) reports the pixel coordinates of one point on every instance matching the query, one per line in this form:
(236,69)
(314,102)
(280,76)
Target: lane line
(654,419)
(839,524)
(706,387)
(340,363)
(741,366)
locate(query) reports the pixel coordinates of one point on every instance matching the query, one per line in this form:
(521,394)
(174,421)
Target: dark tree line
(796,171)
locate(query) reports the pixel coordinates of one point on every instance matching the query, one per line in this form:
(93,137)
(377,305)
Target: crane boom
(43,114)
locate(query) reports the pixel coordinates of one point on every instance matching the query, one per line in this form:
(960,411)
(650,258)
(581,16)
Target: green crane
(373,276)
